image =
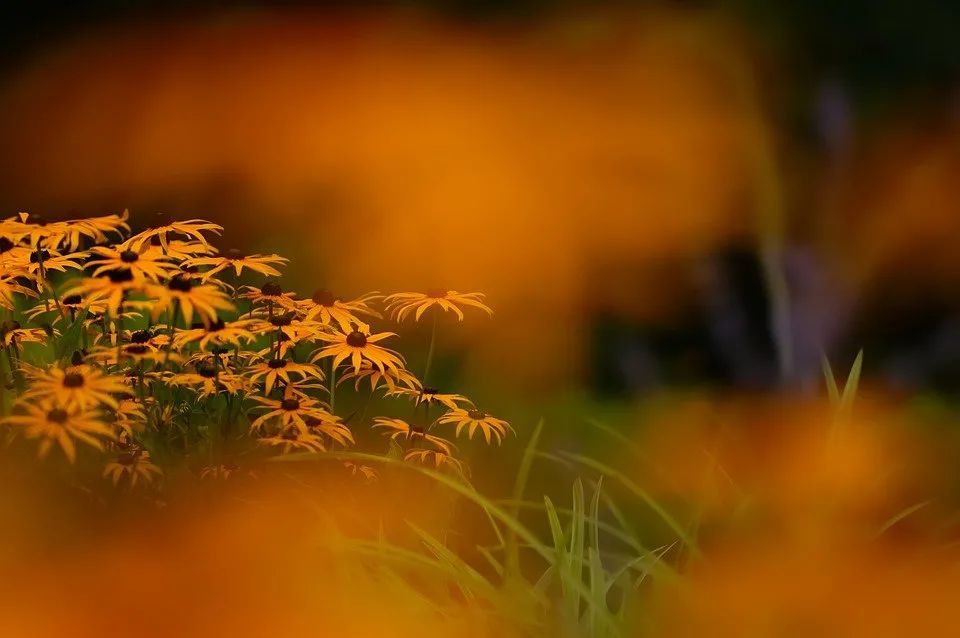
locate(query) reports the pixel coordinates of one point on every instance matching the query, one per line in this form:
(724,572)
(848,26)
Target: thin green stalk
(433,343)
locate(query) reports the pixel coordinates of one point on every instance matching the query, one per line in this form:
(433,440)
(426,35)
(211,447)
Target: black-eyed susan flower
(56,423)
(272,370)
(13,334)
(400,305)
(110,288)
(437,458)
(220,334)
(472,419)
(238,261)
(294,440)
(83,386)
(180,292)
(392,378)
(139,353)
(270,296)
(358,346)
(400,429)
(147,262)
(133,465)
(208,380)
(323,306)
(290,411)
(9,287)
(129,417)
(163,226)
(430,396)
(182,250)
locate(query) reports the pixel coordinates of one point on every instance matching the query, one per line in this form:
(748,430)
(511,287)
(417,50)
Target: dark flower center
(282,320)
(127,458)
(120,276)
(234,254)
(356,339)
(73,380)
(271,289)
(39,255)
(136,349)
(5,244)
(141,336)
(290,404)
(416,431)
(477,415)
(57,416)
(9,326)
(160,220)
(436,293)
(207,370)
(324,297)
(180,283)
(39,220)
(72,300)
(216,326)
(276,364)
(429,390)
(129,256)
(77,357)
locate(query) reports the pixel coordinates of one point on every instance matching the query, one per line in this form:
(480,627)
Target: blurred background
(653,194)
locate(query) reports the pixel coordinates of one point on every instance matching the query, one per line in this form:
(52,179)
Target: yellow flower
(273,370)
(64,234)
(393,378)
(473,419)
(54,422)
(12,333)
(110,288)
(294,440)
(329,309)
(291,410)
(271,295)
(134,464)
(137,352)
(220,334)
(81,386)
(235,259)
(206,300)
(437,458)
(8,288)
(429,396)
(398,428)
(209,381)
(148,262)
(129,417)
(402,304)
(163,226)
(359,346)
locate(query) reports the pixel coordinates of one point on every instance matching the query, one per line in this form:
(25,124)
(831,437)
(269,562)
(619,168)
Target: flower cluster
(159,343)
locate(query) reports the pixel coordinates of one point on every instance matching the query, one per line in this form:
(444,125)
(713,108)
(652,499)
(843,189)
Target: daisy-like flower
(206,300)
(330,310)
(237,260)
(56,423)
(273,370)
(72,304)
(180,250)
(291,411)
(8,288)
(473,419)
(65,234)
(134,465)
(220,334)
(81,386)
(430,396)
(270,295)
(209,381)
(41,262)
(110,288)
(163,226)
(12,333)
(359,346)
(392,378)
(148,262)
(294,440)
(139,353)
(400,429)
(436,458)
(367,472)
(400,305)
(129,417)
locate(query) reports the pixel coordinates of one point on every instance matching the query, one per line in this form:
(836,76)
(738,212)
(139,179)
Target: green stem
(332,387)
(433,343)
